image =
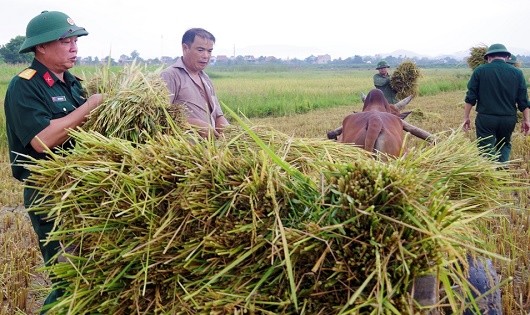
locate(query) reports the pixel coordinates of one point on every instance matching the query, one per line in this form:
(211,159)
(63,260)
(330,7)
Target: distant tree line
(9,54)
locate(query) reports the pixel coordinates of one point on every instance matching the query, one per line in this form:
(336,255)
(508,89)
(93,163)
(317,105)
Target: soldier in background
(382,82)
(513,61)
(498,90)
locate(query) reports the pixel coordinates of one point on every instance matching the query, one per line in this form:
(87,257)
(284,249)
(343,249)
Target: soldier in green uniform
(512,60)
(382,81)
(498,90)
(41,104)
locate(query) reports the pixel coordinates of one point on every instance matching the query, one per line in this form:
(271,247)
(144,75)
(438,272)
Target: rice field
(304,104)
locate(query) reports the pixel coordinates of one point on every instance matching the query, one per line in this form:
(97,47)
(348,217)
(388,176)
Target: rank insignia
(48,78)
(27,74)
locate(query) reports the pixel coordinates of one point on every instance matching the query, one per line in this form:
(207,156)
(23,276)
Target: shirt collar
(41,71)
(180,64)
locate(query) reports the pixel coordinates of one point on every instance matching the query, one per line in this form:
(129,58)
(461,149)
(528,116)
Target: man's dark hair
(499,54)
(190,34)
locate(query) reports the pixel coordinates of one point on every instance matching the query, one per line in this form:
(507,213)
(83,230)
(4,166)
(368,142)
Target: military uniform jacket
(383,83)
(34,97)
(496,88)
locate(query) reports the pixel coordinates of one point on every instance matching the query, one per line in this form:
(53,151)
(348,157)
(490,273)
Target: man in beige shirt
(190,86)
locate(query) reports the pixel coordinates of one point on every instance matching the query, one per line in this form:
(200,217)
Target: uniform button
(64,109)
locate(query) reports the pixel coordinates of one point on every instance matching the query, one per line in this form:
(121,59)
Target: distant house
(222,58)
(124,59)
(250,58)
(167,59)
(323,59)
(271,59)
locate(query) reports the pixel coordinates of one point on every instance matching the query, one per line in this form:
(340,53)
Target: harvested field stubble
(20,276)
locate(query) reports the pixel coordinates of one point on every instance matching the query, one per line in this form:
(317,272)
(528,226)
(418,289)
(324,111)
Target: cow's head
(375,100)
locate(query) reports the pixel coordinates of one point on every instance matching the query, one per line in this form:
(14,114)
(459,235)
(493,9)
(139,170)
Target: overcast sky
(284,28)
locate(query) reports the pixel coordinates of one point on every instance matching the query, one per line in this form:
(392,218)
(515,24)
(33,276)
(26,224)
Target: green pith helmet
(382,64)
(512,60)
(47,27)
(497,48)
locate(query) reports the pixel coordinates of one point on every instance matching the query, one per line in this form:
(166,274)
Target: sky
(284,28)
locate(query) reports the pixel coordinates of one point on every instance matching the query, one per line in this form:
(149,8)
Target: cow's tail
(333,134)
(373,130)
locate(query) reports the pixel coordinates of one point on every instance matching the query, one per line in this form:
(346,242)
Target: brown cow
(378,128)
(395,109)
(376,103)
(361,128)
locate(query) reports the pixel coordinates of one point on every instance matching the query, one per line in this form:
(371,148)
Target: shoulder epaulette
(27,74)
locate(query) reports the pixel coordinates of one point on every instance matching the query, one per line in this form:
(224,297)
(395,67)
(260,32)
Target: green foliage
(9,51)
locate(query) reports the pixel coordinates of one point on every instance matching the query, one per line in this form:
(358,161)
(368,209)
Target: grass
(305,104)
(273,94)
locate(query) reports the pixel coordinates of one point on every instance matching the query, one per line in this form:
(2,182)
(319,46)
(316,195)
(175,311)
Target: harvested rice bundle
(172,226)
(476,57)
(137,101)
(104,80)
(474,178)
(404,79)
(305,155)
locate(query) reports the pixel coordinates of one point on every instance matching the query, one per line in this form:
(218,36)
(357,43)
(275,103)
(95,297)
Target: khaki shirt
(200,101)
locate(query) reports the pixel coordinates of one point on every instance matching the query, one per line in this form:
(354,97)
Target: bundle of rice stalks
(105,80)
(136,103)
(475,177)
(259,223)
(476,57)
(404,79)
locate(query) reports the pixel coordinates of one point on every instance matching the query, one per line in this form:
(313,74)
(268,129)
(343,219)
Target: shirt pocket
(61,108)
